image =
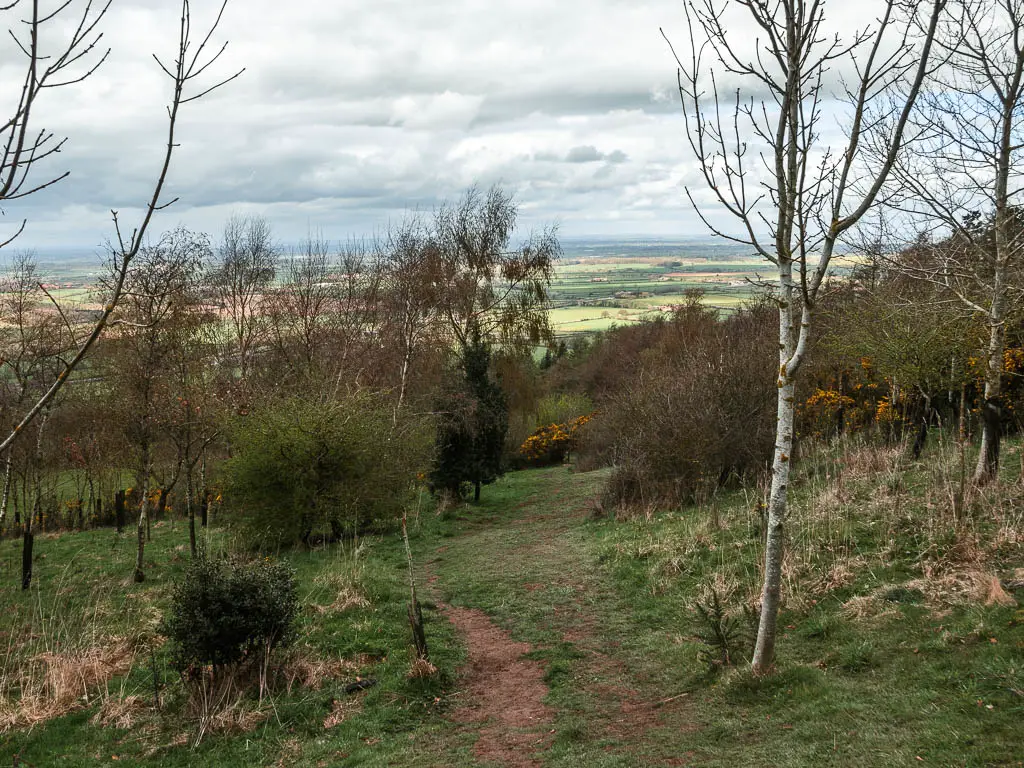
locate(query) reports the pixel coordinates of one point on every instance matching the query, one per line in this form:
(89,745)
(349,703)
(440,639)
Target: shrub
(685,405)
(471,427)
(304,470)
(724,636)
(552,444)
(227,612)
(562,408)
(552,409)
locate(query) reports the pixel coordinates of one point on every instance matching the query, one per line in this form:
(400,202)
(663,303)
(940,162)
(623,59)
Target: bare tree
(31,340)
(25,144)
(139,354)
(765,159)
(300,309)
(191,411)
(409,291)
(964,174)
(242,275)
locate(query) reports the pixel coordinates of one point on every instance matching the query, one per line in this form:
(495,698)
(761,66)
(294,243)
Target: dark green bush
(226,612)
(471,427)
(306,471)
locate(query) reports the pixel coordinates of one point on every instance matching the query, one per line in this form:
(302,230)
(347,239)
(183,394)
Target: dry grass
(868,462)
(942,588)
(303,669)
(421,669)
(120,712)
(218,701)
(868,607)
(841,572)
(341,710)
(343,584)
(349,598)
(56,683)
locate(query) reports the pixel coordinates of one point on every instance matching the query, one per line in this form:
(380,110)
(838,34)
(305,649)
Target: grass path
(567,641)
(523,558)
(606,609)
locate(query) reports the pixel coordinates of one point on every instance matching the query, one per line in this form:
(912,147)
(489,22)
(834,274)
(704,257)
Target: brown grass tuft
(868,461)
(867,607)
(304,669)
(421,669)
(340,711)
(961,586)
(118,712)
(56,683)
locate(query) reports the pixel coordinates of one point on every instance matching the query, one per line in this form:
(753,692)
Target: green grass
(920,674)
(77,573)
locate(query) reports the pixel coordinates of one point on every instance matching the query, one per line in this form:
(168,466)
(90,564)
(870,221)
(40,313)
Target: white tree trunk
(789,345)
(991,415)
(7,491)
(140,574)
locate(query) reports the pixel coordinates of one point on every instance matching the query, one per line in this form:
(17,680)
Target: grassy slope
(608,607)
(917,682)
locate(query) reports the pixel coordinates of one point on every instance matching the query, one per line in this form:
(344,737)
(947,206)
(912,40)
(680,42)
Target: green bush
(304,471)
(225,612)
(562,408)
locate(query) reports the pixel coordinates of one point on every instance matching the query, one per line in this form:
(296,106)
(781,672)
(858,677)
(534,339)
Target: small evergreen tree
(471,431)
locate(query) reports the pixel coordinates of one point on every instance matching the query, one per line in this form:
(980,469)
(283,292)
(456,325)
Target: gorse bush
(552,443)
(227,612)
(304,471)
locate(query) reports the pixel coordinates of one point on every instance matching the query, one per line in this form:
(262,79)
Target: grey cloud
(590,154)
(584,154)
(350,112)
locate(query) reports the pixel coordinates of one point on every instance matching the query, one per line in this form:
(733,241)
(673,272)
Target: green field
(593,293)
(587,293)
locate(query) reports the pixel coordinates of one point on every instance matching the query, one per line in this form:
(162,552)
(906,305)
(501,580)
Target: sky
(350,113)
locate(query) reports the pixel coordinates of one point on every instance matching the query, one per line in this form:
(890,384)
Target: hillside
(565,638)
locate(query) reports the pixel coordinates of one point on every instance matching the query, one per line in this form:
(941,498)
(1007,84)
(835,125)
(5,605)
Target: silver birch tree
(964,174)
(763,153)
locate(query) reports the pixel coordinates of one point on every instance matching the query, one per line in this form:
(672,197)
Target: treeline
(311,395)
(687,403)
(306,391)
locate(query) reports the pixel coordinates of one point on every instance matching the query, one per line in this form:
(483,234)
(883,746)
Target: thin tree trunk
(204,507)
(991,414)
(764,651)
(789,342)
(28,540)
(140,574)
(191,510)
(7,491)
(406,361)
(119,504)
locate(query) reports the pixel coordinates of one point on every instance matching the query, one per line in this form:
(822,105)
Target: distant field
(597,284)
(593,293)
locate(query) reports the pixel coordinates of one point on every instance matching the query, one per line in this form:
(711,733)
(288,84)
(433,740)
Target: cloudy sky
(351,112)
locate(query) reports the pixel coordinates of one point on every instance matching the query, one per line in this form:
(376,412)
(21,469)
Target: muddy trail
(555,672)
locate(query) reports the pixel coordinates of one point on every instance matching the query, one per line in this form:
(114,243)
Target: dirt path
(526,563)
(504,692)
